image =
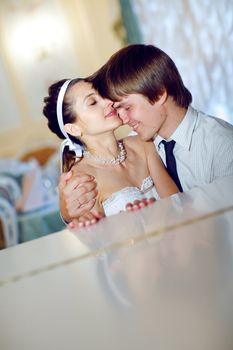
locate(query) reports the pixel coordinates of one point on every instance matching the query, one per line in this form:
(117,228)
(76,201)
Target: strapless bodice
(118,200)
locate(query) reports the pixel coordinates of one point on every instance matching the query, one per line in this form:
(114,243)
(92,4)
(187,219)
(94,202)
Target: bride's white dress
(118,200)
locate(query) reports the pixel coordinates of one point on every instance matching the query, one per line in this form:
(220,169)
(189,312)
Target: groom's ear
(72,129)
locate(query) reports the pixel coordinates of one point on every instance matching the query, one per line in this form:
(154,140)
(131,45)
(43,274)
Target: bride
(125,170)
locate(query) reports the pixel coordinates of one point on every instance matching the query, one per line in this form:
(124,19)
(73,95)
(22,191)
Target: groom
(150,96)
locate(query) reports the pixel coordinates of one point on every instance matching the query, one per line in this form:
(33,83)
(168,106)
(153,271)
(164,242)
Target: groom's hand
(139,204)
(77,195)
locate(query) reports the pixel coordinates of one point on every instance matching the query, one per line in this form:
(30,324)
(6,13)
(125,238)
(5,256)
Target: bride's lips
(112,113)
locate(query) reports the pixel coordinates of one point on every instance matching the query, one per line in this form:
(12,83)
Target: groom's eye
(115,106)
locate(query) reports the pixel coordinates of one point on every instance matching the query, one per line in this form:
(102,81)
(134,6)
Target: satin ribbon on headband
(78,149)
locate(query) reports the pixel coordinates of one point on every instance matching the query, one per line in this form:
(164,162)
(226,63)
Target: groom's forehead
(131,99)
(122,102)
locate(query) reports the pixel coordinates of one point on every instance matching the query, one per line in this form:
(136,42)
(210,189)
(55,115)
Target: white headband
(59,107)
(78,149)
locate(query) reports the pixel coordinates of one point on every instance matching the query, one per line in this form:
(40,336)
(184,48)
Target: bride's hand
(86,220)
(138,204)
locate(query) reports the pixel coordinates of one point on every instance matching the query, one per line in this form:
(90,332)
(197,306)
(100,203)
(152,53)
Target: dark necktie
(171,162)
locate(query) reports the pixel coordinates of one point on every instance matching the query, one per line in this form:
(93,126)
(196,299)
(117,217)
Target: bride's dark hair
(50,112)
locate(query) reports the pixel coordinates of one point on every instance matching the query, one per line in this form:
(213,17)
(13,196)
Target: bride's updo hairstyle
(50,111)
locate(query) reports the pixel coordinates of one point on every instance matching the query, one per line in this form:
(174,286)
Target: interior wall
(42,41)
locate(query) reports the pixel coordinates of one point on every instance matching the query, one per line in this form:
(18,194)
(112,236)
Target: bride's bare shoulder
(81,167)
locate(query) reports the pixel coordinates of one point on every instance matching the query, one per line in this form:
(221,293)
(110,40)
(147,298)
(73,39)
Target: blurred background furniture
(29,205)
(9,233)
(41,152)
(9,193)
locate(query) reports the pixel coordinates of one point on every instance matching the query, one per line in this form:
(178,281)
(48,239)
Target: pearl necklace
(119,159)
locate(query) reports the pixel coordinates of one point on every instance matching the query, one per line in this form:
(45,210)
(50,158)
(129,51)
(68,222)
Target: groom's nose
(123,115)
(122,112)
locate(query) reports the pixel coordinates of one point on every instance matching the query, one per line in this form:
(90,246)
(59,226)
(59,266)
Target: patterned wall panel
(198,35)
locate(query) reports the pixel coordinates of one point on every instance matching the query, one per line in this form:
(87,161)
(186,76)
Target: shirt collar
(183,134)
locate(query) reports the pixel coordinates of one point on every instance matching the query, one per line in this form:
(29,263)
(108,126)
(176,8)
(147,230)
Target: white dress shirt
(203,149)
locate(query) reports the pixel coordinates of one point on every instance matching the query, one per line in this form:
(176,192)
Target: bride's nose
(108,102)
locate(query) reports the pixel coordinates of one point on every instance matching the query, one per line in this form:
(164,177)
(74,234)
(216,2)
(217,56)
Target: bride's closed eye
(92,102)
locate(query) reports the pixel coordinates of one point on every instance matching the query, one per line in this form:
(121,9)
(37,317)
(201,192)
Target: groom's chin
(145,137)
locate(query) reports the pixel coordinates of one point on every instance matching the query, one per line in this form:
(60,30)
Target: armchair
(29,206)
(9,193)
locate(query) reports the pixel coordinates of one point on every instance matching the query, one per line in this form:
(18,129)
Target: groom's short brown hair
(141,69)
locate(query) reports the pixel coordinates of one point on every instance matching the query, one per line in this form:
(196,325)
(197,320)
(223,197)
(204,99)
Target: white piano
(160,278)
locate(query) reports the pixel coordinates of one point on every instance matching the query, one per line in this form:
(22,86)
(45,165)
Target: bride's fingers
(139,204)
(74,224)
(151,200)
(129,207)
(136,205)
(142,204)
(97,214)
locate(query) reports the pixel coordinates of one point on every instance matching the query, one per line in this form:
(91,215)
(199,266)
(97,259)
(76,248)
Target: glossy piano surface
(160,278)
